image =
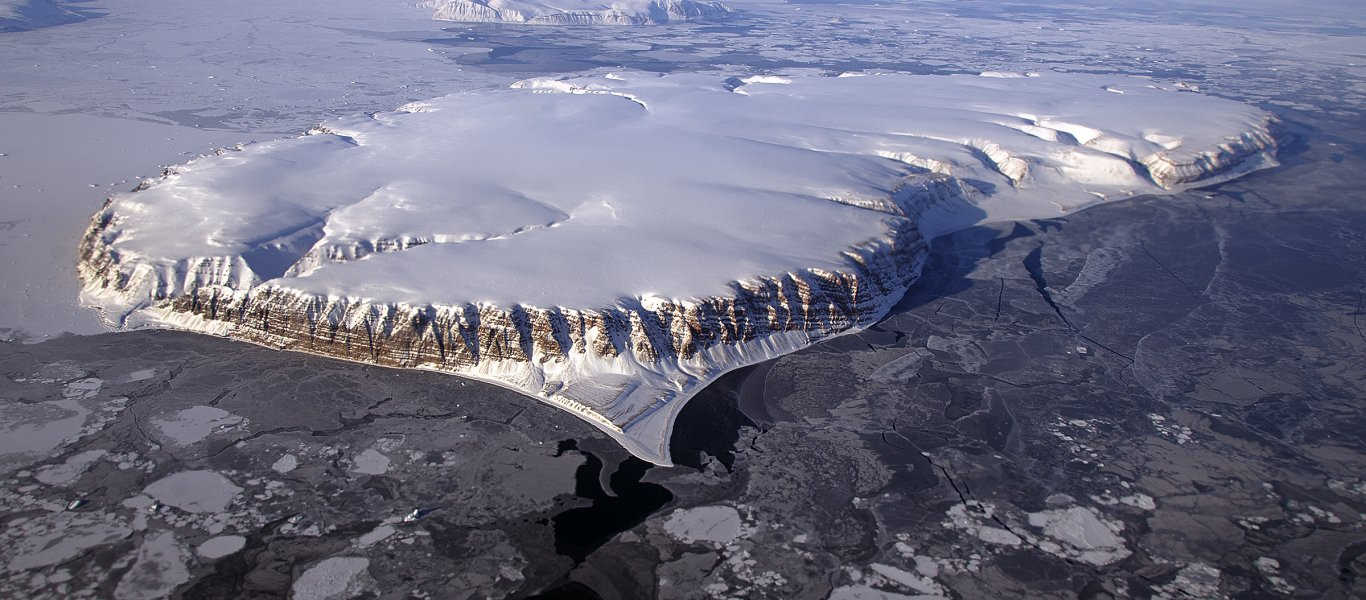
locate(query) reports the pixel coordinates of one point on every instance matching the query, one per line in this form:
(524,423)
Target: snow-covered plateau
(577,12)
(612,243)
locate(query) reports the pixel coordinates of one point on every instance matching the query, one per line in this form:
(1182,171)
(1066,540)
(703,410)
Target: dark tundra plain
(1156,398)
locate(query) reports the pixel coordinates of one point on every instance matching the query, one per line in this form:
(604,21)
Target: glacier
(577,12)
(610,243)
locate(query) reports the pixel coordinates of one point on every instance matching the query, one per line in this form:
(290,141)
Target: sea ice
(33,430)
(159,569)
(220,546)
(57,537)
(195,491)
(376,535)
(140,375)
(285,464)
(1082,534)
(716,524)
(333,579)
(193,424)
(370,462)
(70,469)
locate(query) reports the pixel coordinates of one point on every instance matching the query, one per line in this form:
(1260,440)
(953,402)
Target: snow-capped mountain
(577,12)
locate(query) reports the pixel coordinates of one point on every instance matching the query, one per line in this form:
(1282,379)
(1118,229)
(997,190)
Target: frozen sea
(1154,398)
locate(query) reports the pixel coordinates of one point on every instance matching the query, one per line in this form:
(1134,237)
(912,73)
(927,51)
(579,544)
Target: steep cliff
(611,244)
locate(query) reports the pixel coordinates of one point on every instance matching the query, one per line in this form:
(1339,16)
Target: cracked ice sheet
(191,425)
(31,430)
(716,524)
(54,538)
(1084,535)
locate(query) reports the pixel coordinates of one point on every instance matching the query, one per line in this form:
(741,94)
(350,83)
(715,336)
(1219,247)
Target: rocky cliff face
(1234,157)
(670,344)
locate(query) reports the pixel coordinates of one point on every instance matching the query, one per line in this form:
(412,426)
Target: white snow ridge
(577,12)
(610,244)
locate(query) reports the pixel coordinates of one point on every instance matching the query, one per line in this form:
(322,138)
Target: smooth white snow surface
(630,188)
(584,192)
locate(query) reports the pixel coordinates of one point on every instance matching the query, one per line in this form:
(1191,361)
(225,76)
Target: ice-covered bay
(611,243)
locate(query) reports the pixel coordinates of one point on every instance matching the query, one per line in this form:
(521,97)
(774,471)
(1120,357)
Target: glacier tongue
(612,243)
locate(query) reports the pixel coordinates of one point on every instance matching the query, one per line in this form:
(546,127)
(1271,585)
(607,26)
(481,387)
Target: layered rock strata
(612,244)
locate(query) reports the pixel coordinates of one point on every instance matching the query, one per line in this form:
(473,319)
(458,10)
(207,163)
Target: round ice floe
(612,243)
(285,464)
(223,545)
(370,462)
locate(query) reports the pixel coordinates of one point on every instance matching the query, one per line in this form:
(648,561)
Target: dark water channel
(708,426)
(580,531)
